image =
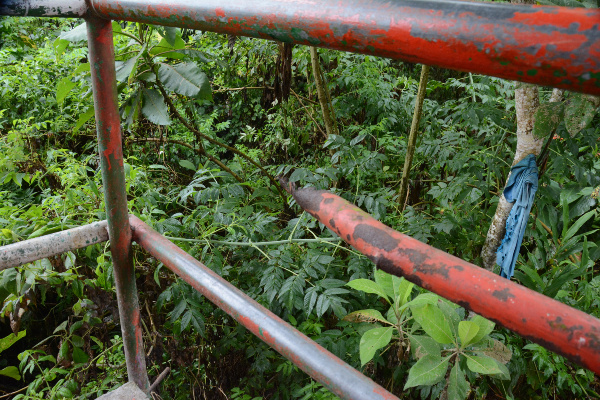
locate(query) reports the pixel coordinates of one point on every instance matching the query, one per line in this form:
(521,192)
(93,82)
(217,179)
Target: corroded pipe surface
(554,325)
(553,46)
(27,251)
(102,62)
(44,8)
(319,363)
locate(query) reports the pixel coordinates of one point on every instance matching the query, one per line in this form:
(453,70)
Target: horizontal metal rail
(27,251)
(553,46)
(337,376)
(554,325)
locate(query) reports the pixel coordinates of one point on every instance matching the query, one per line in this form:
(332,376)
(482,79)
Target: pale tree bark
(412,138)
(323,94)
(526,103)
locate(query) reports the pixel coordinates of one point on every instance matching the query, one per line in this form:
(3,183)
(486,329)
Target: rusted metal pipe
(102,62)
(553,46)
(27,251)
(337,376)
(44,8)
(554,325)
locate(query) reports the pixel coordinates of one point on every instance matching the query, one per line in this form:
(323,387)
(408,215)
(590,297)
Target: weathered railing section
(552,46)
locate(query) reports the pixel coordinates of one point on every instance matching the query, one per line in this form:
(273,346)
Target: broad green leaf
(186,79)
(402,290)
(429,370)
(485,328)
(547,118)
(77,341)
(448,310)
(11,339)
(421,300)
(368,286)
(76,34)
(373,340)
(11,372)
(83,118)
(366,316)
(59,47)
(434,323)
(482,365)
(63,88)
(422,345)
(458,387)
(384,280)
(496,350)
(61,327)
(155,108)
(467,330)
(79,356)
(579,112)
(165,49)
(187,164)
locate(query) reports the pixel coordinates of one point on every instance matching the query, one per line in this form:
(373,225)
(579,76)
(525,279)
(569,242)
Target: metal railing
(552,46)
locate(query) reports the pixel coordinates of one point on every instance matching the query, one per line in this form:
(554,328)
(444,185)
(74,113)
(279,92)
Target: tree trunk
(322,93)
(412,138)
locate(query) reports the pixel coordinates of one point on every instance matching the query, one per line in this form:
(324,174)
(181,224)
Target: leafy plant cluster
(205,136)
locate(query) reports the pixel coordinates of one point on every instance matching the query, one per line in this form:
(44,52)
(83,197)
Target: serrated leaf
(11,372)
(187,164)
(63,88)
(76,34)
(434,323)
(155,108)
(368,286)
(458,387)
(579,112)
(373,340)
(429,370)
(185,320)
(547,118)
(366,316)
(482,365)
(467,330)
(422,345)
(186,79)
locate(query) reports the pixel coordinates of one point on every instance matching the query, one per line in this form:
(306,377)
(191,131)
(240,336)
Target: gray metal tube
(27,251)
(44,8)
(336,375)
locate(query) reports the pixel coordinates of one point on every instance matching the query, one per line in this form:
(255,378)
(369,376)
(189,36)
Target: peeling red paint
(560,328)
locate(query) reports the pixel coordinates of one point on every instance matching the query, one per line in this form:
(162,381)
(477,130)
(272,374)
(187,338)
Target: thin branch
(308,112)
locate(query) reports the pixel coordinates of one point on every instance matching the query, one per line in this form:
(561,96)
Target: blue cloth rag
(520,189)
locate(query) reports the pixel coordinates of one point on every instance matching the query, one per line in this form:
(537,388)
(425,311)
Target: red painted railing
(552,46)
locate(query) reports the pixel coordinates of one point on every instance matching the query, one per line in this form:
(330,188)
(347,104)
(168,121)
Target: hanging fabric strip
(520,189)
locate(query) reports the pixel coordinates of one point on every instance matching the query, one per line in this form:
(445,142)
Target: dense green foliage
(200,114)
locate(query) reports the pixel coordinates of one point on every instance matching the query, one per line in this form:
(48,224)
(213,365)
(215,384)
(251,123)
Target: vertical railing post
(102,62)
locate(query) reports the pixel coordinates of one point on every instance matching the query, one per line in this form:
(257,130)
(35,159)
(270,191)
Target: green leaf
(186,79)
(59,47)
(63,88)
(496,350)
(458,387)
(77,341)
(467,330)
(579,113)
(402,290)
(373,340)
(368,286)
(11,339)
(482,365)
(421,300)
(79,356)
(547,118)
(366,316)
(429,370)
(578,224)
(187,164)
(424,345)
(61,327)
(83,118)
(76,34)
(434,323)
(155,108)
(384,280)
(167,50)
(11,372)
(485,328)
(63,352)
